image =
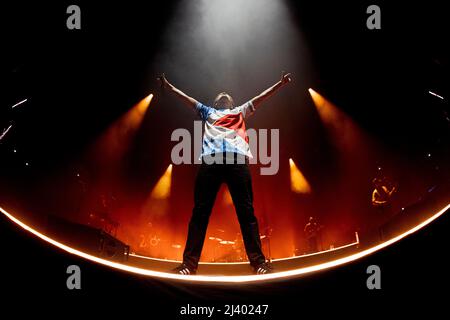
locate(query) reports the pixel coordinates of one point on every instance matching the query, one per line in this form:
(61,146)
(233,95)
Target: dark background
(79,82)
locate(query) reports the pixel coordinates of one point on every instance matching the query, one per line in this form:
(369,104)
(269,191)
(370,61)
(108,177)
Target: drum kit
(221,248)
(234,250)
(227,250)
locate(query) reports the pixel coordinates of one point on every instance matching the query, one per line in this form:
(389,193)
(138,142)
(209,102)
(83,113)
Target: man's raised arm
(285,78)
(191,102)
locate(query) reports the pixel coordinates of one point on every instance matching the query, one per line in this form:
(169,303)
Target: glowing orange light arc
(227,279)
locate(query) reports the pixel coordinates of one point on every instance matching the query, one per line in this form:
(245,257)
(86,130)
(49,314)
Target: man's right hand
(285,77)
(163,81)
(191,102)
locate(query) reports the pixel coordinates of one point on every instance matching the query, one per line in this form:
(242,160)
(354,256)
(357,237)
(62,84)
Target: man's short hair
(216,100)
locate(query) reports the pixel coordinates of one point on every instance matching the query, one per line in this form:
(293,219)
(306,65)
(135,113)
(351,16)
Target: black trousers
(207,184)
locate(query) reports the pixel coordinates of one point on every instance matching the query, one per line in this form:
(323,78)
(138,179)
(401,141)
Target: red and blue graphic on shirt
(224,129)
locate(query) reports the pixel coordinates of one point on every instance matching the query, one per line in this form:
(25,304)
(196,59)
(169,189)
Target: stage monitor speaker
(87,239)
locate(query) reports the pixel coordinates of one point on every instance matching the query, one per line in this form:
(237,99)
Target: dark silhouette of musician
(382,194)
(312,230)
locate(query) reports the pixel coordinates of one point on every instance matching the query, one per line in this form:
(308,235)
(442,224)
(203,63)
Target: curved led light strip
(225,279)
(246,263)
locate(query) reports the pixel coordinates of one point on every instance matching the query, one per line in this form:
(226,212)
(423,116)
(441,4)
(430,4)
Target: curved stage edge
(236,272)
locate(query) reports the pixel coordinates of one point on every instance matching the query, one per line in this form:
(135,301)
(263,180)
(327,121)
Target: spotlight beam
(299,184)
(162,187)
(112,144)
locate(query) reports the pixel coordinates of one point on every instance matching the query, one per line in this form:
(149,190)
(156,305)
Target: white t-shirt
(224,129)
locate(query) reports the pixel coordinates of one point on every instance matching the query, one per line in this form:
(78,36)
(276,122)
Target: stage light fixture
(436,95)
(299,184)
(162,187)
(327,111)
(115,141)
(19,103)
(135,116)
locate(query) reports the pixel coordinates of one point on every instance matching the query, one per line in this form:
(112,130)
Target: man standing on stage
(311,230)
(225,154)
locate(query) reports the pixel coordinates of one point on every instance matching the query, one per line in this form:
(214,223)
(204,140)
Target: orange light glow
(162,187)
(227,199)
(328,112)
(114,142)
(343,130)
(299,184)
(227,279)
(135,116)
(355,148)
(157,202)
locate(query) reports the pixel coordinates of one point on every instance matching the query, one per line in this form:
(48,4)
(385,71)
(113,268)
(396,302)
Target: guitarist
(311,230)
(382,193)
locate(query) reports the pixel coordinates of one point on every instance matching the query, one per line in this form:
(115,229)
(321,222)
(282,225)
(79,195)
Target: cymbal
(226,242)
